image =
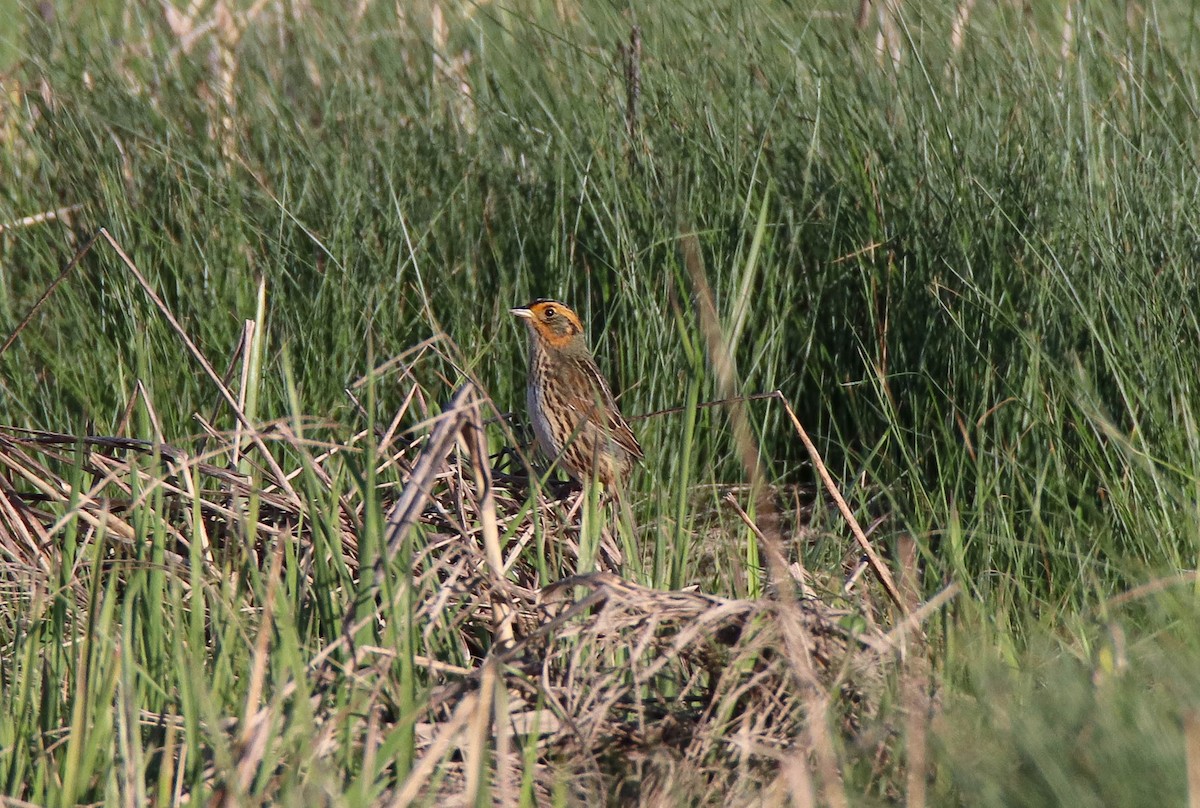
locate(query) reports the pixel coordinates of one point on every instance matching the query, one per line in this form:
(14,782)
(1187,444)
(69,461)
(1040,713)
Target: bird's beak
(524,314)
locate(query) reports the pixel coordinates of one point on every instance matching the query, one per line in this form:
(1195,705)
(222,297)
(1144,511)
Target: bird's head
(552,321)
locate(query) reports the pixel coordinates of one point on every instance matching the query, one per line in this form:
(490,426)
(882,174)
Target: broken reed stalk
(888,42)
(750,458)
(39,218)
(479,734)
(893,640)
(862,16)
(270,460)
(503,613)
(419,489)
(413,498)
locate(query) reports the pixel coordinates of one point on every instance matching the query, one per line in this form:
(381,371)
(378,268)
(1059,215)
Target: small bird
(574,415)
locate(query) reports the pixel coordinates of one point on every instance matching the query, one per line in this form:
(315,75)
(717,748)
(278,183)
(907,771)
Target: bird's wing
(609,419)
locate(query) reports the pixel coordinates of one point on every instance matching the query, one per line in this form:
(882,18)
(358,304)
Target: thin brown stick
(62,276)
(13,802)
(399,359)
(38,218)
(720,402)
(793,772)
(877,566)
(1150,588)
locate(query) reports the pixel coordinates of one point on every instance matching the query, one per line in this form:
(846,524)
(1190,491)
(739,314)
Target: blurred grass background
(972,269)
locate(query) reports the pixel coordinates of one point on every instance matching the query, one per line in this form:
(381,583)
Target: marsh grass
(960,241)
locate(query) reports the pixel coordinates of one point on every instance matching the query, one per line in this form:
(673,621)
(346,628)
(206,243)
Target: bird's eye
(550,312)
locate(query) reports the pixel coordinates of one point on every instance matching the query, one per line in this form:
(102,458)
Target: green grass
(974,276)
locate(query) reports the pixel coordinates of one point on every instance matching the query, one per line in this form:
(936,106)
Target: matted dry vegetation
(629,691)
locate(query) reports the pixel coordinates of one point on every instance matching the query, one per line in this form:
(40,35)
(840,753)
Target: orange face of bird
(552,321)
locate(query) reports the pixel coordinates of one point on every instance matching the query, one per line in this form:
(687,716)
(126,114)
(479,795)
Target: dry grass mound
(589,686)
